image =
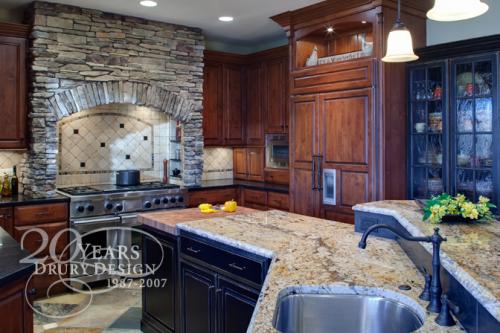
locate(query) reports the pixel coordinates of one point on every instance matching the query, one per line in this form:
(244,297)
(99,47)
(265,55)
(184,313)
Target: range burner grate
(109,188)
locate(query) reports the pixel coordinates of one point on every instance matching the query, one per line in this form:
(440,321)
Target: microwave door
(329,187)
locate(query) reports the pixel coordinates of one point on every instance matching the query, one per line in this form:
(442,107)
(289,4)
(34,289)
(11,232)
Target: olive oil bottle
(14,182)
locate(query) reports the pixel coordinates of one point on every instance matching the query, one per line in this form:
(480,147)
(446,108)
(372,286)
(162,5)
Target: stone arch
(90,95)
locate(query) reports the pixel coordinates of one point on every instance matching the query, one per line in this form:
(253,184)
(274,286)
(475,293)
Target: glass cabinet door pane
(483,78)
(484,115)
(465,183)
(465,116)
(484,184)
(420,183)
(464,81)
(484,151)
(435,181)
(435,150)
(465,151)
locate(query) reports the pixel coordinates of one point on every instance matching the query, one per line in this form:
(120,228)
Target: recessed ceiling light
(363,22)
(148,3)
(226,19)
(330,29)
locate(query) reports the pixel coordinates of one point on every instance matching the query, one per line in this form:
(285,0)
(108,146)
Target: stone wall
(81,58)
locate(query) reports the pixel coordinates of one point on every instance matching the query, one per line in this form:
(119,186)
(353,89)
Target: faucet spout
(436,240)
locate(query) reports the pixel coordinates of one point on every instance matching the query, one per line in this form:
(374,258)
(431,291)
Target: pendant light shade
(399,43)
(456,10)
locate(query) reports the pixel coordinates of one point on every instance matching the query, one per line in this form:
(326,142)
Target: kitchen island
(315,256)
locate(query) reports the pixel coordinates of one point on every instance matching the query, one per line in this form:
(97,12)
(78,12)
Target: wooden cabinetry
(256,199)
(275,93)
(346,115)
(255,116)
(223,100)
(13,86)
(248,163)
(159,293)
(17,316)
(276,200)
(214,196)
(6,221)
(53,220)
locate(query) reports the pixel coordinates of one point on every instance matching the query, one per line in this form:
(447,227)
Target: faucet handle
(445,318)
(437,236)
(426,293)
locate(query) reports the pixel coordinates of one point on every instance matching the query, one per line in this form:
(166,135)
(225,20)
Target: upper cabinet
(245,97)
(13,87)
(454,121)
(223,100)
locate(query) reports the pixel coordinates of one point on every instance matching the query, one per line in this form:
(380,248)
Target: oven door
(92,261)
(132,242)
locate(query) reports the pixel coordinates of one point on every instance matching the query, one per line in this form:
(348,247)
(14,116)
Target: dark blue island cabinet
(200,286)
(454,120)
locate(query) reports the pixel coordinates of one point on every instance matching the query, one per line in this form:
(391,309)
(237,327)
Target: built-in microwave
(277,151)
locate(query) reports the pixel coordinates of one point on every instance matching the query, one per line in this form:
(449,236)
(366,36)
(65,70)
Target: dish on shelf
(436,122)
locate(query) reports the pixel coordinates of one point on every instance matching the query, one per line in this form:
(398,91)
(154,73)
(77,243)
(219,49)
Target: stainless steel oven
(277,151)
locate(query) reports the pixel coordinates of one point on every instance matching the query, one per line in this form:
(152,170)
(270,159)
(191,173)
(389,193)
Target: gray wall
(485,25)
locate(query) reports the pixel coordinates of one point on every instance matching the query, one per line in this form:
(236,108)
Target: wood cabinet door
(254,115)
(236,303)
(159,299)
(240,170)
(303,147)
(345,130)
(275,95)
(212,104)
(17,315)
(233,105)
(255,164)
(13,94)
(198,302)
(6,220)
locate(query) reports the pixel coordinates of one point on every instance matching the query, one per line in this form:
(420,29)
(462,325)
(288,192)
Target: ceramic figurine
(313,58)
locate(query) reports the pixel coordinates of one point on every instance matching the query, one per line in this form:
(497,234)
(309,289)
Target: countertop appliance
(96,207)
(277,151)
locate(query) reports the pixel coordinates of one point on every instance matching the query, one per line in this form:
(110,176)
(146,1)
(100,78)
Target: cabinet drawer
(247,268)
(29,215)
(255,197)
(277,176)
(217,196)
(6,219)
(277,200)
(33,241)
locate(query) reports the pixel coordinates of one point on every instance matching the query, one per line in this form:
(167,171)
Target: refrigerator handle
(313,173)
(320,173)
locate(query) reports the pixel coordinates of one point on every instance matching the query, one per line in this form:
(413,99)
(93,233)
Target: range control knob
(90,208)
(80,209)
(173,200)
(180,199)
(147,205)
(157,201)
(165,200)
(119,207)
(109,206)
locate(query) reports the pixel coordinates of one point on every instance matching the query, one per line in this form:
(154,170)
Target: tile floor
(115,311)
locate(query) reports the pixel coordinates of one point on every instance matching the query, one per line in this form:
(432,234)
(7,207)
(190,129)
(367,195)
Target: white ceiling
(251,23)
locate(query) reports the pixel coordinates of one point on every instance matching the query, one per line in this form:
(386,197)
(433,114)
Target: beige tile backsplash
(93,144)
(218,163)
(8,159)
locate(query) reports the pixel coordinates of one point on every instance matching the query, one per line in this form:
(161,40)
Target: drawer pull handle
(42,214)
(190,249)
(233,265)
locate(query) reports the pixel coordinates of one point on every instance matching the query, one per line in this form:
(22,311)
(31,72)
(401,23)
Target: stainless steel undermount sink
(330,313)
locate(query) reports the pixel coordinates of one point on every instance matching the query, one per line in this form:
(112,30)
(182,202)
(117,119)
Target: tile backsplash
(93,144)
(8,159)
(218,163)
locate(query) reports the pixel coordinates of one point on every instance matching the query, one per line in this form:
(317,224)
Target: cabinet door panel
(255,164)
(240,163)
(212,104)
(159,290)
(236,306)
(304,199)
(353,188)
(275,77)
(12,92)
(197,300)
(255,121)
(233,105)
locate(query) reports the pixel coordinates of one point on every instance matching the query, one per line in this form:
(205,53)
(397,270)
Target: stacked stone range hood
(83,58)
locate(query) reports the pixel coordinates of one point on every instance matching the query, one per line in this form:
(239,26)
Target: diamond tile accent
(218,163)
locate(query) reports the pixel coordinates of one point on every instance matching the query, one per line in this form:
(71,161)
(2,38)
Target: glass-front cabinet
(454,128)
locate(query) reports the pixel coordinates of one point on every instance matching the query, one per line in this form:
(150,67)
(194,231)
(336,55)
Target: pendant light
(456,10)
(399,42)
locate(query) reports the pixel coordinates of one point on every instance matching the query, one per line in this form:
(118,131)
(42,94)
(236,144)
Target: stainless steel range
(96,212)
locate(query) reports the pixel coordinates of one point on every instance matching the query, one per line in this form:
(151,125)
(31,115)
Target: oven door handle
(126,217)
(97,220)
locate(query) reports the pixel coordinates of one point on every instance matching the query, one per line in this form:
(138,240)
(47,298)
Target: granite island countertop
(314,256)
(463,254)
(10,255)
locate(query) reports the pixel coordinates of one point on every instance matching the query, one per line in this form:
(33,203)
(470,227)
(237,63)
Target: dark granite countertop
(226,183)
(20,200)
(10,255)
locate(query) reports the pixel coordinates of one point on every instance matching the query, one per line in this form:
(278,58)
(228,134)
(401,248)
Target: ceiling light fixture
(226,19)
(399,42)
(363,22)
(456,10)
(148,3)
(330,30)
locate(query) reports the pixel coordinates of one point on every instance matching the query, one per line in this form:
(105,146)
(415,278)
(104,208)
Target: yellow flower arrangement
(445,205)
